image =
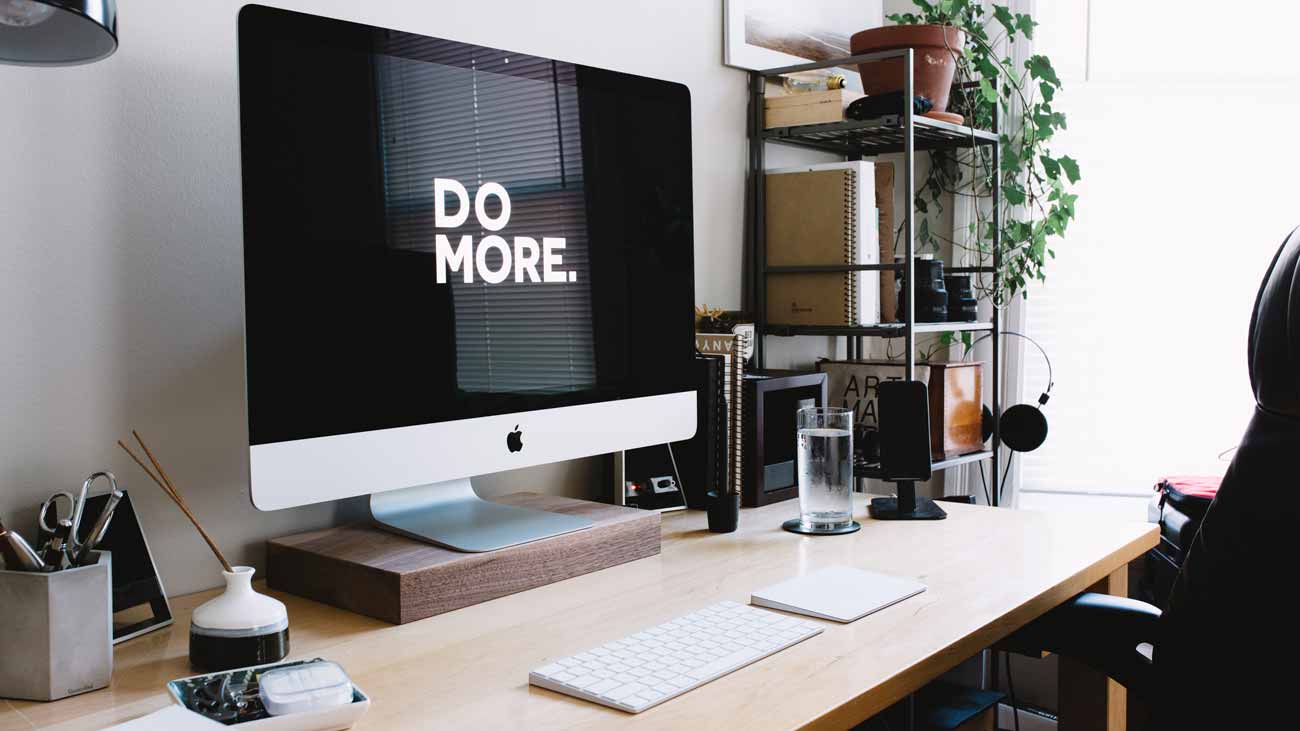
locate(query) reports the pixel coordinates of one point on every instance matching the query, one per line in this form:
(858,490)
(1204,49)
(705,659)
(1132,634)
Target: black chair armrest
(1101,631)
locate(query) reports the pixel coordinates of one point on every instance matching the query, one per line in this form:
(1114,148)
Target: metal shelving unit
(906,133)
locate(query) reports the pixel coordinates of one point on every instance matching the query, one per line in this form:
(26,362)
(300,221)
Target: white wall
(120,269)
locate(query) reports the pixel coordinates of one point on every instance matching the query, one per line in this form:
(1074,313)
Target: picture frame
(763,34)
(140,603)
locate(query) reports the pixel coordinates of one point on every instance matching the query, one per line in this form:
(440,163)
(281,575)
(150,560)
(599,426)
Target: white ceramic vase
(238,628)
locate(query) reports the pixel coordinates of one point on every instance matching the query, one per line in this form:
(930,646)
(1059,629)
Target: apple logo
(515,440)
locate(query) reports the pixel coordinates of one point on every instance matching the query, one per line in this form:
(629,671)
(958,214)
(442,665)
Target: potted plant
(937,48)
(1036,203)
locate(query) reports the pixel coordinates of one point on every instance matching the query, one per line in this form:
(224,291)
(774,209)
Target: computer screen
(436,231)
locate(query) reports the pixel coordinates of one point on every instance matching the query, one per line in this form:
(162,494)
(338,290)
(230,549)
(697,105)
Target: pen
(54,553)
(99,529)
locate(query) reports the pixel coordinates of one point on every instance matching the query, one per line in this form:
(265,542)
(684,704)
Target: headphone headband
(1042,399)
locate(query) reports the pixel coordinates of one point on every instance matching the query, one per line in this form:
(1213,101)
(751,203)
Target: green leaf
(987,91)
(1051,167)
(1003,16)
(986,67)
(1047,91)
(1039,67)
(1071,168)
(1010,161)
(1026,25)
(1014,194)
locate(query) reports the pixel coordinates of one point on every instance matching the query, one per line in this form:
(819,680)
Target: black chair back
(1229,636)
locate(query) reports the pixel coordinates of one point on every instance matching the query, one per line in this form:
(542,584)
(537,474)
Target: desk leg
(1090,701)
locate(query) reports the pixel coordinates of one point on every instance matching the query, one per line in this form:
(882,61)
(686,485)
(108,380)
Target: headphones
(1023,427)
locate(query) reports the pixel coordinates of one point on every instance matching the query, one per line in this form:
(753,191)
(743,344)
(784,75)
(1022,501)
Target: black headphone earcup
(1024,427)
(986,423)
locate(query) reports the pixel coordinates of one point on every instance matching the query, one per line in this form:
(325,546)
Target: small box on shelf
(807,107)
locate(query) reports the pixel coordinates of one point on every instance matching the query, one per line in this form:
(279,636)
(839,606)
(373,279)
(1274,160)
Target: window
(1188,190)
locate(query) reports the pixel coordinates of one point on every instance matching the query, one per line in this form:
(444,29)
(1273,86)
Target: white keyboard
(649,667)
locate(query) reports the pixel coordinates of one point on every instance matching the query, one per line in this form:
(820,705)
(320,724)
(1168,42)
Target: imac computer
(458,260)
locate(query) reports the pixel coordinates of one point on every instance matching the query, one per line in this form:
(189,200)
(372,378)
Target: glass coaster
(795,525)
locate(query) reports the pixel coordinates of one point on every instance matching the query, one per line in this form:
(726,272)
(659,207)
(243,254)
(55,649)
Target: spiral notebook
(822,215)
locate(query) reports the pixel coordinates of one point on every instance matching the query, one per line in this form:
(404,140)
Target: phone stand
(906,506)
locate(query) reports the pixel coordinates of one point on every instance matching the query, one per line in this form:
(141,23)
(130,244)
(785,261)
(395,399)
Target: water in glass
(825,459)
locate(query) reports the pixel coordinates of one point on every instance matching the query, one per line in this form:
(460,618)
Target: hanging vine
(1037,205)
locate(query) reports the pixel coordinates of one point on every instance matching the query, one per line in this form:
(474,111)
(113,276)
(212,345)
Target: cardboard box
(956,401)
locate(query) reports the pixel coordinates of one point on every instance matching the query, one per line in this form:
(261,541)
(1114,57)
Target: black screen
(576,186)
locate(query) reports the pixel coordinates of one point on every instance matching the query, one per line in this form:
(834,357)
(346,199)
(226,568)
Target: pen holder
(58,631)
(724,511)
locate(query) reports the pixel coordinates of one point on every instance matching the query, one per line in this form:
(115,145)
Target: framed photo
(763,34)
(139,602)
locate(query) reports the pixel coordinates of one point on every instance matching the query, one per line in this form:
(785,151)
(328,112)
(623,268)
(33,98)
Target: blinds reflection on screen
(468,121)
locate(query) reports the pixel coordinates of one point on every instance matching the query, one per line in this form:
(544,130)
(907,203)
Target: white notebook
(838,593)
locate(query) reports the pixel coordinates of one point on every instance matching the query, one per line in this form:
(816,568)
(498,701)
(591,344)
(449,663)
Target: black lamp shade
(57,32)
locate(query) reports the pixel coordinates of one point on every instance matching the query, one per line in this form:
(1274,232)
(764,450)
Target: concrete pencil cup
(58,631)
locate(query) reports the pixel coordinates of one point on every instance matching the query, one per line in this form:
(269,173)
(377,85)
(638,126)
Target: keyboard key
(626,690)
(722,664)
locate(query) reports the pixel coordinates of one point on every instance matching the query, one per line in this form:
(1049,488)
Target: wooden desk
(989,571)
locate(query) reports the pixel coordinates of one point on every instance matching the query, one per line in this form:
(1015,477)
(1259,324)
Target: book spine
(735,378)
(851,246)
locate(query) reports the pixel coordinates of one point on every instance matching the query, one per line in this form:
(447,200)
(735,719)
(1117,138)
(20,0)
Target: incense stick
(170,490)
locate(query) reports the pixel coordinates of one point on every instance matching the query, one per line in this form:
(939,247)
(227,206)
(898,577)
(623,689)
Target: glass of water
(825,463)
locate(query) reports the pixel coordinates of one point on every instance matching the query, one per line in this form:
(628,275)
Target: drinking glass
(825,463)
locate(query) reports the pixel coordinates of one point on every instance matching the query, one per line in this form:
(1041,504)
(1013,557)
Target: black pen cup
(724,511)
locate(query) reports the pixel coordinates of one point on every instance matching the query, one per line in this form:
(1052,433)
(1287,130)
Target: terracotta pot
(934,64)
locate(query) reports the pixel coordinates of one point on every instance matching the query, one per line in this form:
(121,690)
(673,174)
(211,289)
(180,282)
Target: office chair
(1225,645)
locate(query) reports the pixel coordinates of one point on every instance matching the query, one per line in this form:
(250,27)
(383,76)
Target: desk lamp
(57,32)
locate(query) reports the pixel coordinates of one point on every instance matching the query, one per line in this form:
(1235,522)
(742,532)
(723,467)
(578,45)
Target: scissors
(50,515)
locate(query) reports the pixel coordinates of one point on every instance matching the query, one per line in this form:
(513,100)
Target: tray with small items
(235,697)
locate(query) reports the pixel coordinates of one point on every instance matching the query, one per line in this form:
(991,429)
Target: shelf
(833,268)
(883,330)
(872,471)
(879,136)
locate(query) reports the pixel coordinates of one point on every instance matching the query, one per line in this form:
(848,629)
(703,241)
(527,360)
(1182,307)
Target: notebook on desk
(838,593)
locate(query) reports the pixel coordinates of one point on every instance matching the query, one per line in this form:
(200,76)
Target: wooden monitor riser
(387,576)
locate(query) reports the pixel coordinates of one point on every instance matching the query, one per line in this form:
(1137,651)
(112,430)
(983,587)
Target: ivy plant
(1036,205)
